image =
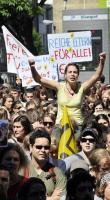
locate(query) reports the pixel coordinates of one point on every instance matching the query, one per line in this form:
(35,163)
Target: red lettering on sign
(62,68)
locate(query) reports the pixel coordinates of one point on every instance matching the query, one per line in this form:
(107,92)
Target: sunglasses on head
(91,140)
(46,147)
(48,123)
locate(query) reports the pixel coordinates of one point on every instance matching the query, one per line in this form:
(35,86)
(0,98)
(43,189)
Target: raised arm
(89,83)
(39,79)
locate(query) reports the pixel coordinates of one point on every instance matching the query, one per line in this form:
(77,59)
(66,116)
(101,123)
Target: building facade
(60,5)
(86,15)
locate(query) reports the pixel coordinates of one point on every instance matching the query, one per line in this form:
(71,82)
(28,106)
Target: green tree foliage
(18,16)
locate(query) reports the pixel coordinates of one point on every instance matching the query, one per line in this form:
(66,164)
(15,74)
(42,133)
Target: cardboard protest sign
(69,47)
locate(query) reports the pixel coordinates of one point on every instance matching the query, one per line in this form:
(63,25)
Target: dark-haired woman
(21,128)
(102,119)
(70,93)
(7,104)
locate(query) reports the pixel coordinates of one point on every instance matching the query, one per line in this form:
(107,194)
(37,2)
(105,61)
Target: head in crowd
(98,107)
(43,94)
(17,106)
(100,81)
(105,187)
(3,113)
(106,95)
(21,127)
(69,66)
(52,108)
(13,157)
(6,88)
(88,140)
(79,163)
(32,104)
(15,92)
(4,179)
(102,119)
(100,161)
(92,123)
(29,95)
(80,185)
(8,102)
(87,108)
(49,122)
(33,115)
(33,189)
(91,106)
(40,142)
(67,75)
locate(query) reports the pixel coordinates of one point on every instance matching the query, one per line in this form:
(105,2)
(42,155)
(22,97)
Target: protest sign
(43,66)
(17,61)
(69,47)
(15,51)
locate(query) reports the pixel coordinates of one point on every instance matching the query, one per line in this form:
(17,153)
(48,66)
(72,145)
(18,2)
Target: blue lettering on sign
(59,43)
(46,58)
(69,42)
(80,42)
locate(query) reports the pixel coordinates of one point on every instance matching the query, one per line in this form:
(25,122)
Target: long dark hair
(24,122)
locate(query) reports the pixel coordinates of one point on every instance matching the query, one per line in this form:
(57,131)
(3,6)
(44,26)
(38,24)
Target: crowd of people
(29,164)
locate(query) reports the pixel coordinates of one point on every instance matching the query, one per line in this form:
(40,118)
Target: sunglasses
(91,140)
(48,123)
(40,147)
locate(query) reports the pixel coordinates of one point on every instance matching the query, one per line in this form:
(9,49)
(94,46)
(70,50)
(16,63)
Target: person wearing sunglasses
(40,167)
(49,122)
(88,141)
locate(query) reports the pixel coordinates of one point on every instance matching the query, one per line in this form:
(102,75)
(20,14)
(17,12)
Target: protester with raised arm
(70,92)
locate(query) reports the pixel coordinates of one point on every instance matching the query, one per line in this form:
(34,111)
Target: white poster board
(69,47)
(43,66)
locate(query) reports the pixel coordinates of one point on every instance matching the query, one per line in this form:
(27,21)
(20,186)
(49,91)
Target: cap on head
(89,131)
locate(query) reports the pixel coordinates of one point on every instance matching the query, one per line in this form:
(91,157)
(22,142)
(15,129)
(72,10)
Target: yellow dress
(72,103)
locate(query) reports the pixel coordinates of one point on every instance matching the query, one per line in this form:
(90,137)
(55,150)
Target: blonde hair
(97,155)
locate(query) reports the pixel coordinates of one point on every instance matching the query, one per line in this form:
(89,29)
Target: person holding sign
(70,92)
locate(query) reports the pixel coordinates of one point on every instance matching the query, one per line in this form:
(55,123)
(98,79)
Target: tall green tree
(18,16)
